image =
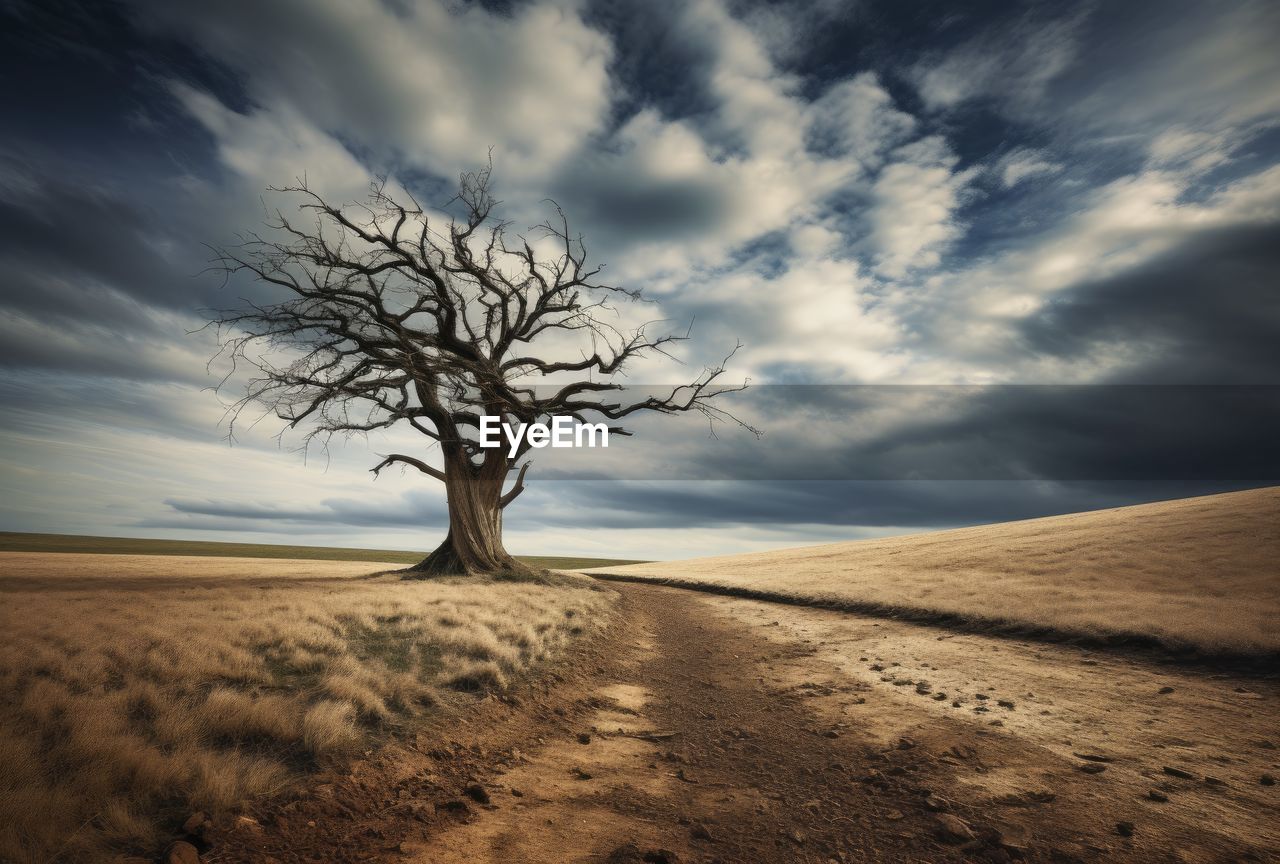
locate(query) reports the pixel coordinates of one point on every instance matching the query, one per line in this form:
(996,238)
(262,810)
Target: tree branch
(515,490)
(408,460)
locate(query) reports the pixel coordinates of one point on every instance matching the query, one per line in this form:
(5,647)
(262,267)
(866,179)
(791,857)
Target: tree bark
(473,546)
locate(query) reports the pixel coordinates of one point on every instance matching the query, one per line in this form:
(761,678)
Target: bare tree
(387,319)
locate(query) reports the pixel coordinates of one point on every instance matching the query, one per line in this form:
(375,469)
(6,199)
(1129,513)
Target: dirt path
(719,730)
(691,752)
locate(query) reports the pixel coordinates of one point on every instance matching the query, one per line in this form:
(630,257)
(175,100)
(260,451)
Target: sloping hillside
(1198,573)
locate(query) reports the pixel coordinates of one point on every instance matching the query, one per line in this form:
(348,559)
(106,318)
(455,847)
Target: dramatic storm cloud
(984,264)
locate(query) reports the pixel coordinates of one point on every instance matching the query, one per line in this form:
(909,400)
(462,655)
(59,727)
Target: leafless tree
(388,319)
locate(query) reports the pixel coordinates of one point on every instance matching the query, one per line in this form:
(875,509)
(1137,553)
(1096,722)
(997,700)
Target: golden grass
(134,690)
(1200,573)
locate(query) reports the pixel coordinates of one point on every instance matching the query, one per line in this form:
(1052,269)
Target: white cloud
(1023,163)
(275,147)
(429,84)
(828,316)
(1013,65)
(915,198)
(680,195)
(1193,151)
(814,240)
(858,117)
(757,109)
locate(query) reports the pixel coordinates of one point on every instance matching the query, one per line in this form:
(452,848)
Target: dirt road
(712,729)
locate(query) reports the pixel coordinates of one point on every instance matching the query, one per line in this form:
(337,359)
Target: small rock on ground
(181,852)
(630,853)
(953,829)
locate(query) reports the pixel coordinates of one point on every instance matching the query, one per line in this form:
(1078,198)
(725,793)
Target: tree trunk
(473,545)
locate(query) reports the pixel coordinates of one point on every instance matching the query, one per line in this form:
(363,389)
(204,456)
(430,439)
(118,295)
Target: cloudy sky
(987,260)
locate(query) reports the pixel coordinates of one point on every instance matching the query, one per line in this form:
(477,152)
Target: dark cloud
(611,193)
(82,79)
(664,66)
(102,274)
(1186,65)
(414,510)
(1209,310)
(62,235)
(1053,433)
(52,343)
(675,505)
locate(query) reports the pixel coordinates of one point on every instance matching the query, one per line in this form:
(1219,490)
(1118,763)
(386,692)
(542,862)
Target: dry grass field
(1198,573)
(134,689)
